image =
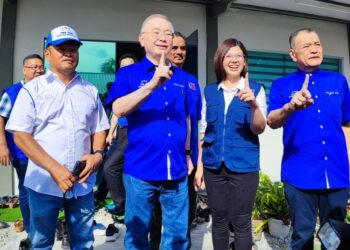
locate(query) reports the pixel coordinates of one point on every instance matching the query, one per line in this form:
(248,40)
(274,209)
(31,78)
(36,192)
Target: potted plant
(272,207)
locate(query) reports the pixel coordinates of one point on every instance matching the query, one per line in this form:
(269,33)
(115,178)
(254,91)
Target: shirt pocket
(211,119)
(242,114)
(334,106)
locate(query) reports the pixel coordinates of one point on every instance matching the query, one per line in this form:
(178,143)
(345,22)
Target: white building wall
(120,20)
(269,33)
(117,20)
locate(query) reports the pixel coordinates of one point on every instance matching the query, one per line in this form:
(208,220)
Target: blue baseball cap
(60,35)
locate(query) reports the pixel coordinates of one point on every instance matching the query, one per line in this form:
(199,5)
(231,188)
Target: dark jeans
(305,205)
(114,168)
(231,198)
(21,168)
(156,226)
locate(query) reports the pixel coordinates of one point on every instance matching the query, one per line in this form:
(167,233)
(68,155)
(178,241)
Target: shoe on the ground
(65,241)
(4,224)
(19,227)
(110,207)
(112,233)
(25,244)
(119,218)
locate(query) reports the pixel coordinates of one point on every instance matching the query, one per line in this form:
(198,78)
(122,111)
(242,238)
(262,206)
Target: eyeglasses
(238,57)
(156,34)
(36,67)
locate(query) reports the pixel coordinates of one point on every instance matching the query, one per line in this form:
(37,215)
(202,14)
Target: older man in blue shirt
(153,96)
(313,106)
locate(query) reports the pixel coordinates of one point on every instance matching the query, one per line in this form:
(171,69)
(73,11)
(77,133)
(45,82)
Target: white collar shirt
(229,94)
(61,118)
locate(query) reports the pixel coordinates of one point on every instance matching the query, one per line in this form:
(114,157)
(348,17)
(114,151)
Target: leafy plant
(270,202)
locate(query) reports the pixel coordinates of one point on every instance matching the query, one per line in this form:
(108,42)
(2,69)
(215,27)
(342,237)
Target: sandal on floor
(19,227)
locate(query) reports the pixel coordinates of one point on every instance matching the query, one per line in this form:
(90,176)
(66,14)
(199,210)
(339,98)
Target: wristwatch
(102,152)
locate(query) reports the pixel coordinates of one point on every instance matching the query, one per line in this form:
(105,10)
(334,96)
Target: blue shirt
(194,109)
(315,155)
(122,121)
(157,129)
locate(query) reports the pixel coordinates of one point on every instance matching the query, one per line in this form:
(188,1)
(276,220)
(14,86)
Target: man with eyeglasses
(153,95)
(9,152)
(58,120)
(177,57)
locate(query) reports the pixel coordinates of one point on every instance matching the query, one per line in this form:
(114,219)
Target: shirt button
(325,158)
(323,142)
(169,151)
(321,126)
(319,111)
(164,88)
(310,74)
(169,134)
(316,96)
(168,118)
(166,103)
(313,83)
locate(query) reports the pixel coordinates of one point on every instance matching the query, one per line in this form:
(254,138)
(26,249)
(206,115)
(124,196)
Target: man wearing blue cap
(58,120)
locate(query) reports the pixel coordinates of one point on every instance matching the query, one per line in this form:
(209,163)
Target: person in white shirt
(58,120)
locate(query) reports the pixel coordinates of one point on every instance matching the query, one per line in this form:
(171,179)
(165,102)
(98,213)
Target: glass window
(266,67)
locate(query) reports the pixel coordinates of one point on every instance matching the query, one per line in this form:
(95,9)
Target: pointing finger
(306,82)
(162,59)
(246,81)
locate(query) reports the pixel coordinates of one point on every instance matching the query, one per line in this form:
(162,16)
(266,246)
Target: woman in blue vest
(233,114)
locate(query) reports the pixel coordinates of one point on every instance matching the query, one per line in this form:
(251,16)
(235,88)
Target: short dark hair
(295,33)
(32,56)
(128,55)
(220,53)
(179,34)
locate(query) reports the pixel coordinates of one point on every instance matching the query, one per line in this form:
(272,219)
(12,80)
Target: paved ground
(201,238)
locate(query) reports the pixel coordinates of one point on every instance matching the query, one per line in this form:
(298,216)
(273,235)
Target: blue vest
(12,92)
(229,138)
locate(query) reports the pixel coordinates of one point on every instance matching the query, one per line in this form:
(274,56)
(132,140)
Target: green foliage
(347,217)
(270,201)
(108,66)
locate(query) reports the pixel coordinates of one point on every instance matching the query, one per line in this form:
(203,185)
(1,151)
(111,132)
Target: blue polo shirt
(315,155)
(194,109)
(157,129)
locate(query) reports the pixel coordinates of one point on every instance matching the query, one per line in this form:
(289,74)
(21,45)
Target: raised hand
(162,73)
(247,94)
(302,99)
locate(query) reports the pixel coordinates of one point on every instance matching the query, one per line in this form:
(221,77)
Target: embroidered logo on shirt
(332,93)
(143,83)
(192,85)
(178,85)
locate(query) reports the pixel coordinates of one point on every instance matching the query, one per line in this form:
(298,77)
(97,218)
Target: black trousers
(231,198)
(114,168)
(156,225)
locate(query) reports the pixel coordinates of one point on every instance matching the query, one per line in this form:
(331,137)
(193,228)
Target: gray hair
(295,33)
(155,16)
